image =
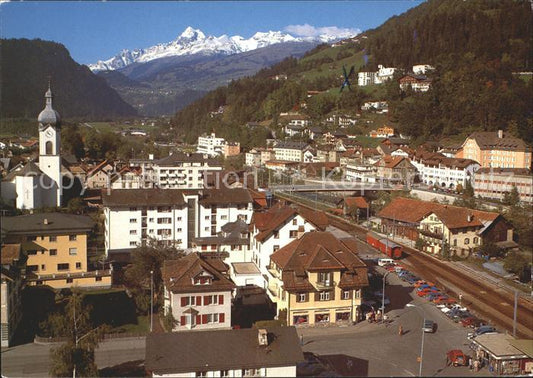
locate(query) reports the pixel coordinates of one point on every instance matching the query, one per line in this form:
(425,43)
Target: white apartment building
(361,172)
(495,182)
(379,77)
(436,169)
(421,69)
(217,207)
(292,151)
(252,158)
(183,171)
(134,216)
(210,145)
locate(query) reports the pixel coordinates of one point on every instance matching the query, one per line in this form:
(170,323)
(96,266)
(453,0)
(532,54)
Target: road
(33,360)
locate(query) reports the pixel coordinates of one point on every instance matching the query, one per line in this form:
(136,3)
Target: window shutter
(182,321)
(220,299)
(221,317)
(198,319)
(332,295)
(317,296)
(183,301)
(206,300)
(204,319)
(198,300)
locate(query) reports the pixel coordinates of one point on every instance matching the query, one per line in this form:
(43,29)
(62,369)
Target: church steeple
(49,117)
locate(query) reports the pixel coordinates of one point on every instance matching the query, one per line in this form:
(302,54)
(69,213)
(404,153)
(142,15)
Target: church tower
(49,151)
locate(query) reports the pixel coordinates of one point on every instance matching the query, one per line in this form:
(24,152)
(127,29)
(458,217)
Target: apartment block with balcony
(218,207)
(210,145)
(56,249)
(197,292)
(135,216)
(317,279)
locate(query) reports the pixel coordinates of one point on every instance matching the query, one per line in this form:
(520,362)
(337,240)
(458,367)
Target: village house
(494,183)
(197,293)
(496,149)
(379,106)
(463,230)
(317,279)
(396,169)
(418,83)
(231,149)
(127,178)
(251,352)
(56,246)
(100,176)
(276,227)
(382,132)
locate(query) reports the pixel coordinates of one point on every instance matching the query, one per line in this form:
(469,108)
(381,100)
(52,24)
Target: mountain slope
(165,85)
(474,87)
(26,68)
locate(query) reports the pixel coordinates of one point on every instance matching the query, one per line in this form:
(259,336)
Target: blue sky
(98,30)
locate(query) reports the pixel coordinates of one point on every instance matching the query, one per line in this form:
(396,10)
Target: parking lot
(376,349)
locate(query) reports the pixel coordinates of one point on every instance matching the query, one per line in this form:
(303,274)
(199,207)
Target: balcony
(322,285)
(431,234)
(273,272)
(273,290)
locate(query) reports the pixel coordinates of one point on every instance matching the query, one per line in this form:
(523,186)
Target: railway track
(490,301)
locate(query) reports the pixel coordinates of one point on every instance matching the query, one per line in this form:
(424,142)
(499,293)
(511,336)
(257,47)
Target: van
(382,262)
(429,326)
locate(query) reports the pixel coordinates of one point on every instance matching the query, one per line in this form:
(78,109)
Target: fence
(108,336)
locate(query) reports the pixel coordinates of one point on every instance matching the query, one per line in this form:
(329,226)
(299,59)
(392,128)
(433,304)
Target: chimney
(470,217)
(150,156)
(500,134)
(45,221)
(262,336)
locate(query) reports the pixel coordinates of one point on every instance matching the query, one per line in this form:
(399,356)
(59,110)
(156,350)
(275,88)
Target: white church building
(39,185)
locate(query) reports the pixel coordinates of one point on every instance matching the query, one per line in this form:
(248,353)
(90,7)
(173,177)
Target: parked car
(444,300)
(471,321)
(456,357)
(429,326)
(482,330)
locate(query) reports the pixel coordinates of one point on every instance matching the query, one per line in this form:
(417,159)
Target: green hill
(27,66)
(477,46)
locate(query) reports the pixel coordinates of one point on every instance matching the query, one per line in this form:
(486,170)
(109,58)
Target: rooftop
(44,223)
(225,195)
(192,351)
(143,197)
(489,140)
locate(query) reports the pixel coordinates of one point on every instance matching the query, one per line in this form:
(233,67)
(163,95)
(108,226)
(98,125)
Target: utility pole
(514,314)
(151,300)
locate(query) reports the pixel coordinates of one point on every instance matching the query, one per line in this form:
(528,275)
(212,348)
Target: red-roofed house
(275,228)
(317,279)
(462,229)
(397,169)
(197,293)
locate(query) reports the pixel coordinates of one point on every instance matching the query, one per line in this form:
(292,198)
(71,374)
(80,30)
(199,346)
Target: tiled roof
(192,351)
(390,161)
(271,220)
(234,233)
(143,197)
(98,168)
(225,196)
(359,202)
(316,251)
(413,211)
(488,140)
(505,171)
(30,169)
(55,222)
(318,218)
(178,275)
(291,145)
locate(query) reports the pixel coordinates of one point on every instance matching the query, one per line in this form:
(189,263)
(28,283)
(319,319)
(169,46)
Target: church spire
(49,116)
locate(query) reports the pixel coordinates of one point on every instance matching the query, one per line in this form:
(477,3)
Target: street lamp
(422,344)
(151,300)
(383,298)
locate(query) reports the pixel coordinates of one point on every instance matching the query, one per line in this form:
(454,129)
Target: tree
(515,263)
(76,356)
(72,142)
(490,249)
(511,198)
(146,259)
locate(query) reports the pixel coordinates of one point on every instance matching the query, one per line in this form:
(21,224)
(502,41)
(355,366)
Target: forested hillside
(27,65)
(477,47)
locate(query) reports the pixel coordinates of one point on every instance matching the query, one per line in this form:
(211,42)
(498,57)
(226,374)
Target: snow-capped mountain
(193,41)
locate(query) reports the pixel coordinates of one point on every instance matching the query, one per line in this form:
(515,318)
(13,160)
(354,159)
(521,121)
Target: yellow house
(494,149)
(317,279)
(56,249)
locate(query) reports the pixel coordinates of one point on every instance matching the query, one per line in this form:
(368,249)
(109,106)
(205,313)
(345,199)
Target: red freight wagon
(390,248)
(373,239)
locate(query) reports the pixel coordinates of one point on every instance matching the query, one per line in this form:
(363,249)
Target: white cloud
(307,30)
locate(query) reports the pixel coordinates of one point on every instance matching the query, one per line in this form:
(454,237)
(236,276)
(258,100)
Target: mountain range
(195,42)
